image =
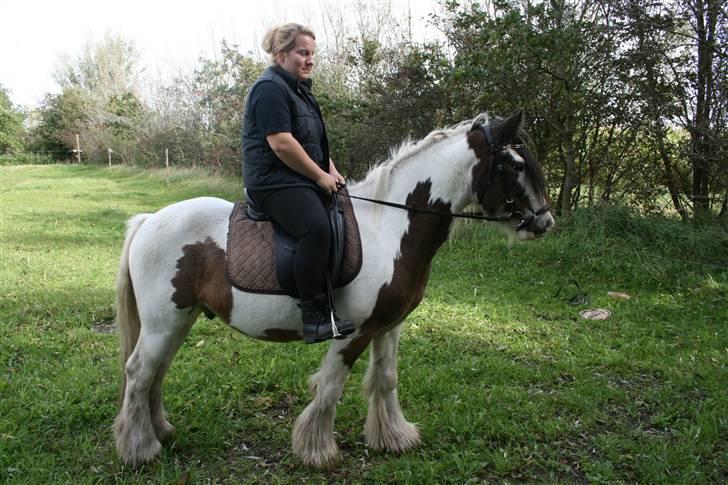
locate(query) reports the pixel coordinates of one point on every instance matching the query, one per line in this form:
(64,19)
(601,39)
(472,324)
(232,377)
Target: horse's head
(507,179)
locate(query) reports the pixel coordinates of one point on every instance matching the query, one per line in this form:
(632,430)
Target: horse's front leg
(386,427)
(313,432)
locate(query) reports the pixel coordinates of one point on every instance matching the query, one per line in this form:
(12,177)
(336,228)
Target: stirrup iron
(334,328)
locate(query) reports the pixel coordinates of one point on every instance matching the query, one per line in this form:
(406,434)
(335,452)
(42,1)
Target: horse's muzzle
(541,225)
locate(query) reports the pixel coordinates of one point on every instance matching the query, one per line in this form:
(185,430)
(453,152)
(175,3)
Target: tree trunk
(706,13)
(670,177)
(724,207)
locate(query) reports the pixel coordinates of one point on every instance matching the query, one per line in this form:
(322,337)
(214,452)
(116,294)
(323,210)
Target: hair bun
(269,41)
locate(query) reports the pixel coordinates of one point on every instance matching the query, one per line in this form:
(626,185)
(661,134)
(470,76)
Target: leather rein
(497,151)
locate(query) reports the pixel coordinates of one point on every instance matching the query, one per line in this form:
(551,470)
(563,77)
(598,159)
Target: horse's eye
(519,167)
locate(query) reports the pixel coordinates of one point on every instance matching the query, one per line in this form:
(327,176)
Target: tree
(622,96)
(60,118)
(199,116)
(100,101)
(11,125)
(554,60)
(674,59)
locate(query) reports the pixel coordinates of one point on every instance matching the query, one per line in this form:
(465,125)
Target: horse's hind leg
(134,427)
(386,427)
(162,428)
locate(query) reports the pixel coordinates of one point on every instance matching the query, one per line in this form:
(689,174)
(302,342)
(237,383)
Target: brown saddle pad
(251,261)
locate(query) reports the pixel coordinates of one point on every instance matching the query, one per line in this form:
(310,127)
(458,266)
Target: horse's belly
(270,317)
(259,316)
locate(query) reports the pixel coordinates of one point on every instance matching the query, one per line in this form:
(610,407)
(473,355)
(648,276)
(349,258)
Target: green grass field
(506,381)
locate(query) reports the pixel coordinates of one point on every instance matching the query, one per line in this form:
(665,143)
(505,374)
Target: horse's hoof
(166,432)
(140,456)
(396,439)
(134,446)
(321,460)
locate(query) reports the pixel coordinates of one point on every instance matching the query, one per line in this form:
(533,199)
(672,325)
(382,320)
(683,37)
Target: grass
(506,381)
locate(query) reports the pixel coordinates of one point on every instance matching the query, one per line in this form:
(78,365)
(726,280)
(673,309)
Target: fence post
(78,149)
(166,162)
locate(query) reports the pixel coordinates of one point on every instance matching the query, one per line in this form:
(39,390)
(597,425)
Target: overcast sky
(170,34)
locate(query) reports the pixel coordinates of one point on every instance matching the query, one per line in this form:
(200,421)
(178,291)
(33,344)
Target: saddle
(260,253)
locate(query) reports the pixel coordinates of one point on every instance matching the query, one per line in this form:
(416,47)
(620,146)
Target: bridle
(513,190)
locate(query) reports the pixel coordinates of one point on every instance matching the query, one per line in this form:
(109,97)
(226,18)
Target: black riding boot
(317,321)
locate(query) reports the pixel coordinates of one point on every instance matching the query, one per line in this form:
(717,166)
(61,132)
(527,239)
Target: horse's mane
(379,173)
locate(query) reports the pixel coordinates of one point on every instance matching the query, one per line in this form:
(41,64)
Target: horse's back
(197,206)
(192,215)
(162,237)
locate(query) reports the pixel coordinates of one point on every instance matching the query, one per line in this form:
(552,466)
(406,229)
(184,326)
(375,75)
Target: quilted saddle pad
(250,260)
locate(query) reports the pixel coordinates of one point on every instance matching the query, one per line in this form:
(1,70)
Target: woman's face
(299,60)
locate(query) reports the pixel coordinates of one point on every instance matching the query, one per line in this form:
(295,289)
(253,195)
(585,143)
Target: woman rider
(287,171)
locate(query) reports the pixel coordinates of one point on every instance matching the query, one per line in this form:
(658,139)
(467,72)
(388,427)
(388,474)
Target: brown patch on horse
(201,281)
(488,189)
(281,335)
(425,234)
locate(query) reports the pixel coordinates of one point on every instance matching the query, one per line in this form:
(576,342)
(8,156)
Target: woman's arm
(292,154)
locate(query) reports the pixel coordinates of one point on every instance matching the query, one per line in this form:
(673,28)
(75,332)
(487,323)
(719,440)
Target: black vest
(262,169)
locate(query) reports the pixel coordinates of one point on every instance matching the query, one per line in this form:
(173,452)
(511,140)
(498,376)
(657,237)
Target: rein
(422,210)
(523,219)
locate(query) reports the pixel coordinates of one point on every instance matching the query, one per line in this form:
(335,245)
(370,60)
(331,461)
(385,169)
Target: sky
(170,35)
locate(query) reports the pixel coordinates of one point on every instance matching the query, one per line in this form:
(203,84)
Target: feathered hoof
(135,448)
(397,438)
(315,448)
(325,458)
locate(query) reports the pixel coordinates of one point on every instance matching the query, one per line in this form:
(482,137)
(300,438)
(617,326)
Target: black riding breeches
(300,211)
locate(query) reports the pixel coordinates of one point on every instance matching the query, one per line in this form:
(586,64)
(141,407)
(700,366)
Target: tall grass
(506,381)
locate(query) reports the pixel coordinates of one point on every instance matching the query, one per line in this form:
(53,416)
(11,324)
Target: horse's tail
(127,315)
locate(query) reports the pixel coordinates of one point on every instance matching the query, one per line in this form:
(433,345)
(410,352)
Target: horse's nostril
(549,223)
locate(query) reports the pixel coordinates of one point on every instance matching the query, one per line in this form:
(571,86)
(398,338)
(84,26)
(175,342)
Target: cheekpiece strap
(489,138)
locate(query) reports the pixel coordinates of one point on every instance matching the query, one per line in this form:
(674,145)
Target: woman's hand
(327,182)
(335,173)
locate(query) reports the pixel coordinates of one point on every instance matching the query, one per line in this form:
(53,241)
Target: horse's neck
(446,167)
(436,178)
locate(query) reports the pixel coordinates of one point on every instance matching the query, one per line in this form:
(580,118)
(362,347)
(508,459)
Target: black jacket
(262,169)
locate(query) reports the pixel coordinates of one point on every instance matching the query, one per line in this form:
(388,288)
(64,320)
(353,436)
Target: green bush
(27,159)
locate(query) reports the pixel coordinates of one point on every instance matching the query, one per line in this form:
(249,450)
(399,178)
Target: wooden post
(110,152)
(166,162)
(78,149)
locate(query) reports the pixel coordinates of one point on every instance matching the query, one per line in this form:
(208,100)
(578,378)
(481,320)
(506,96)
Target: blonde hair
(283,38)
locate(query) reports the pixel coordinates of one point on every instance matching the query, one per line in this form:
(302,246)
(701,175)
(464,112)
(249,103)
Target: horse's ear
(508,129)
(479,121)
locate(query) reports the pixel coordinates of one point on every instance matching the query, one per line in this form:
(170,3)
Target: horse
(172,269)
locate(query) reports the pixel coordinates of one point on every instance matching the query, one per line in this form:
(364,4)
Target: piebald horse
(173,268)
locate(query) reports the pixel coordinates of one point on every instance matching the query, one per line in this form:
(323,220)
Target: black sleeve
(271,111)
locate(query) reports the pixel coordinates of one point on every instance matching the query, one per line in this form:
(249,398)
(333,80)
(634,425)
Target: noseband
(512,188)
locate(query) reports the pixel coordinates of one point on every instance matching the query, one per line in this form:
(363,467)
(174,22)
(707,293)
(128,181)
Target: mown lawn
(506,381)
